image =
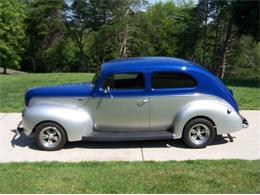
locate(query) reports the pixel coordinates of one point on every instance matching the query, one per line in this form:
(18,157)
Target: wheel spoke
(201,137)
(45,136)
(50,141)
(55,138)
(47,131)
(193,131)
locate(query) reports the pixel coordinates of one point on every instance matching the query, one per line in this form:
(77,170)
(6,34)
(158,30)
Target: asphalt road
(244,144)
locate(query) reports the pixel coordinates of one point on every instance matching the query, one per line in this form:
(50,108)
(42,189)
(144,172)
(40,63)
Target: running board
(128,136)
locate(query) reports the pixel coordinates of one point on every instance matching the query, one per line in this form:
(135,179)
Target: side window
(162,80)
(124,81)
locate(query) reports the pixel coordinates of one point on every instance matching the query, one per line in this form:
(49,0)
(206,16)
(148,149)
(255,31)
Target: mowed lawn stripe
(203,176)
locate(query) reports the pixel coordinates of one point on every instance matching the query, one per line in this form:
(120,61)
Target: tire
(198,133)
(50,136)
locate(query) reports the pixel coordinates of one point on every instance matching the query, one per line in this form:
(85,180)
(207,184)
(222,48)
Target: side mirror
(108,91)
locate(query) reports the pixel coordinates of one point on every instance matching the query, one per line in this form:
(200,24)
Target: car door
(170,90)
(123,106)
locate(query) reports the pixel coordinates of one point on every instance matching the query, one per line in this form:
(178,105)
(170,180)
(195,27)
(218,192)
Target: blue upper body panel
(207,83)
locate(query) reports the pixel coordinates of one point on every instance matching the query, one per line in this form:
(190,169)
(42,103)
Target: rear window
(163,80)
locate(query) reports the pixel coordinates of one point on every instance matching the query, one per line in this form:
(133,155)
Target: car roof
(146,62)
(209,83)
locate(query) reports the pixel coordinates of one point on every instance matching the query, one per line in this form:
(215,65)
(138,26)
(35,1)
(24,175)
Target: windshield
(95,78)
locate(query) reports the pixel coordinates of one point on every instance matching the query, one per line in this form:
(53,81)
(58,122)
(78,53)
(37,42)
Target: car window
(162,80)
(124,81)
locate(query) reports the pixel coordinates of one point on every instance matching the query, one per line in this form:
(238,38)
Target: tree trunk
(124,47)
(205,39)
(81,56)
(33,65)
(80,43)
(98,63)
(225,48)
(223,66)
(215,59)
(4,69)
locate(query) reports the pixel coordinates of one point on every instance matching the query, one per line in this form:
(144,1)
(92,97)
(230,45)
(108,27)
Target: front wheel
(50,136)
(198,133)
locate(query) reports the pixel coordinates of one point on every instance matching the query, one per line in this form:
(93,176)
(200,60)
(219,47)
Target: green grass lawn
(246,92)
(208,176)
(12,88)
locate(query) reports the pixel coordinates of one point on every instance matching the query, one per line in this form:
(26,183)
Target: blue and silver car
(147,98)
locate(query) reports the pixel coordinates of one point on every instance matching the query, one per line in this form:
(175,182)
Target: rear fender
(223,115)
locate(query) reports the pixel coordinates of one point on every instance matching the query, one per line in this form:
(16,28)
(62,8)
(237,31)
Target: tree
(88,16)
(124,12)
(213,34)
(244,58)
(189,32)
(79,35)
(12,15)
(224,35)
(161,25)
(45,30)
(246,17)
(116,37)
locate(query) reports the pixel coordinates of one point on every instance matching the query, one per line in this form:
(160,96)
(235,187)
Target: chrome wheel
(50,137)
(199,134)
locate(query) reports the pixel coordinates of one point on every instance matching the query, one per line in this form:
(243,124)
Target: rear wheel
(50,136)
(198,133)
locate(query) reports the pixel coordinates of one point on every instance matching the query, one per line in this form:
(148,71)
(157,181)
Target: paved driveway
(244,144)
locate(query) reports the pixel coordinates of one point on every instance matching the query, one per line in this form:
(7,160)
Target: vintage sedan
(146,98)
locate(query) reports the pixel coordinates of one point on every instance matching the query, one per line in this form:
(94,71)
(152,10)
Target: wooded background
(79,35)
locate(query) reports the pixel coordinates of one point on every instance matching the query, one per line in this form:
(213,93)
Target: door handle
(142,102)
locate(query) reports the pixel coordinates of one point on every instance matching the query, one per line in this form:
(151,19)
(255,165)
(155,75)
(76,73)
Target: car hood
(65,90)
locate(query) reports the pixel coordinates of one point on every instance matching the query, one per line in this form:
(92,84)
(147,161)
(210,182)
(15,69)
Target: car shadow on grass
(21,140)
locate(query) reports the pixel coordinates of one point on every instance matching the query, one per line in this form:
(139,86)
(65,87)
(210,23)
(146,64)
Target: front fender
(75,121)
(224,116)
